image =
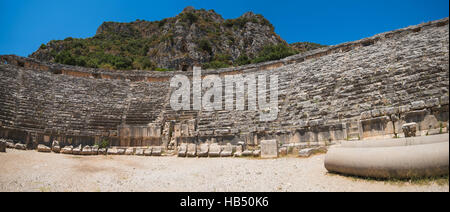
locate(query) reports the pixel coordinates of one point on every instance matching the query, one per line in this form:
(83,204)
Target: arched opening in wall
(184,67)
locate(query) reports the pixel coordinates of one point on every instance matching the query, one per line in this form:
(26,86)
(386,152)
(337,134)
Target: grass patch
(439,180)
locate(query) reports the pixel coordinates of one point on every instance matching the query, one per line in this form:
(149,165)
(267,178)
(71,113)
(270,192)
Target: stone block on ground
(87,150)
(269,149)
(55,143)
(148,151)
(156,151)
(309,151)
(67,150)
(43,148)
(20,146)
(247,153)
(214,150)
(182,150)
(433,131)
(77,150)
(227,151)
(192,150)
(102,151)
(112,151)
(238,152)
(56,149)
(129,151)
(409,129)
(139,152)
(203,151)
(121,151)
(95,150)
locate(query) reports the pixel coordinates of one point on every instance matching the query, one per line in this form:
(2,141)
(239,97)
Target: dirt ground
(34,171)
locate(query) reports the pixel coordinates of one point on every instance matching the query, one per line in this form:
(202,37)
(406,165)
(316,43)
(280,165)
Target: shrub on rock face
(243,60)
(205,46)
(189,17)
(274,52)
(104,144)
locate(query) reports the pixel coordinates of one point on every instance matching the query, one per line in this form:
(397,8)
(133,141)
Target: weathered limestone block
(214,150)
(112,151)
(77,150)
(432,102)
(67,150)
(43,148)
(87,150)
(191,150)
(417,105)
(102,151)
(204,149)
(182,149)
(379,126)
(139,152)
(309,151)
(247,153)
(409,129)
(238,152)
(157,151)
(366,115)
(94,150)
(227,151)
(148,151)
(433,131)
(121,151)
(129,151)
(305,152)
(269,149)
(20,146)
(56,149)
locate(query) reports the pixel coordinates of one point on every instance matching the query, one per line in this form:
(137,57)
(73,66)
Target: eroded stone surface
(269,149)
(214,150)
(43,148)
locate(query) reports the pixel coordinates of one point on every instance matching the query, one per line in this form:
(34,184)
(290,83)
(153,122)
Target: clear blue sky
(25,24)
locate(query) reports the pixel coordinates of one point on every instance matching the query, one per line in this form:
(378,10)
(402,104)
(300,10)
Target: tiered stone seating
(349,91)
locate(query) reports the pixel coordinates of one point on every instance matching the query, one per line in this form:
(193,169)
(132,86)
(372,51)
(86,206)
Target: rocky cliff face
(192,37)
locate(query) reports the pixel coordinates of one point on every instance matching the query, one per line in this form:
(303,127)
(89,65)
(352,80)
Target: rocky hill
(194,37)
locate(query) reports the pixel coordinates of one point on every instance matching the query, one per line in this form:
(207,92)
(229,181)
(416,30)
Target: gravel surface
(33,171)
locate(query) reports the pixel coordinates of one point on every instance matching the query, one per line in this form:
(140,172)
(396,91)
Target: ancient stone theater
(366,89)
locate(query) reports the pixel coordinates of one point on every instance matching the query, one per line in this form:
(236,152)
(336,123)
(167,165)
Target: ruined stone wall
(355,90)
